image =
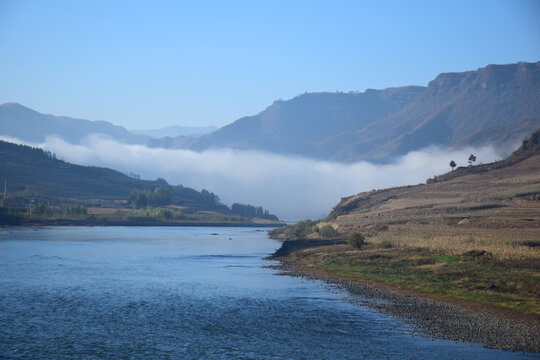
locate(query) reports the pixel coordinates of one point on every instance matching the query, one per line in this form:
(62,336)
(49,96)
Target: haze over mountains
(497,104)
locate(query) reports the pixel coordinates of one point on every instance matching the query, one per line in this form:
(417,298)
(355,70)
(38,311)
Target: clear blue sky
(147,64)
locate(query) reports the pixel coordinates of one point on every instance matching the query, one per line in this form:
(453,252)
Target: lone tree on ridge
(453,164)
(472,159)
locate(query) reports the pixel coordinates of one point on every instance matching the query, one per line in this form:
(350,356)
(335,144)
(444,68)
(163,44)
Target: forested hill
(30,169)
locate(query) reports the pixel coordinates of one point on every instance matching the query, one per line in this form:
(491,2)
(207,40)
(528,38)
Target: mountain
(29,125)
(298,126)
(176,130)
(497,104)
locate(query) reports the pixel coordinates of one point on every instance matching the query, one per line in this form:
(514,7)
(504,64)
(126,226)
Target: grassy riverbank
(473,279)
(453,318)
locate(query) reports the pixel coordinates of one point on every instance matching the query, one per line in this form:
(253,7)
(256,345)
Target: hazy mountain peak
(26,124)
(176,130)
(16,107)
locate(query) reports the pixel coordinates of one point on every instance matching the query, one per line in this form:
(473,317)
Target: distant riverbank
(431,315)
(81,222)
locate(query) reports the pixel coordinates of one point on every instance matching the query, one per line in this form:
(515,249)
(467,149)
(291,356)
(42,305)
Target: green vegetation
(328,231)
(143,198)
(29,192)
(453,164)
(445,258)
(9,215)
(507,284)
(140,199)
(472,159)
(356,240)
(297,231)
(40,209)
(251,211)
(303,229)
(533,140)
(76,210)
(153,214)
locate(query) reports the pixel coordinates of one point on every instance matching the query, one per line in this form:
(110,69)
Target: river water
(184,293)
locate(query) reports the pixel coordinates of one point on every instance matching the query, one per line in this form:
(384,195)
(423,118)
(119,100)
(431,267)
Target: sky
(151,64)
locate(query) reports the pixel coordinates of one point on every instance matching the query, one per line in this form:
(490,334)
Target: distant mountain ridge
(299,125)
(470,108)
(176,130)
(497,104)
(29,125)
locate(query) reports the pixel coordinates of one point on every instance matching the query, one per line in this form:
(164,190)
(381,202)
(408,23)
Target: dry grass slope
(493,207)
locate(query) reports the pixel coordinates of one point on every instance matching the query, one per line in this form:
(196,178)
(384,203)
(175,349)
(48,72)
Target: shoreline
(74,222)
(429,315)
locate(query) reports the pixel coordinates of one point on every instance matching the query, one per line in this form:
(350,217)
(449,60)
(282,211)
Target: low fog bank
(291,187)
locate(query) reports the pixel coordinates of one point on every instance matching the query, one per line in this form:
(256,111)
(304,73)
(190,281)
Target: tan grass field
(497,211)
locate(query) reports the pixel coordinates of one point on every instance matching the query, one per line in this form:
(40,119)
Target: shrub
(356,240)
(327,231)
(296,231)
(387,244)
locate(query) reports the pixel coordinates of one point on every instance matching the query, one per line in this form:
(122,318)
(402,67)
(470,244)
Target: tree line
(143,198)
(471,160)
(251,211)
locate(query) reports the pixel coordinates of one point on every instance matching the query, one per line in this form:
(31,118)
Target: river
(184,293)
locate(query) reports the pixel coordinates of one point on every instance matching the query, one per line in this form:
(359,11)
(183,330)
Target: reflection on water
(184,293)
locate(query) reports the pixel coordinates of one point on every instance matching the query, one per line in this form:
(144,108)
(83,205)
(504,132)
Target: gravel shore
(435,318)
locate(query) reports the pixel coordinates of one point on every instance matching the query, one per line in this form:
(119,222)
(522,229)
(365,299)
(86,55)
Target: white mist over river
(291,187)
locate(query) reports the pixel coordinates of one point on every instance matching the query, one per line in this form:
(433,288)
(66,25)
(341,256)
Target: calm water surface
(183,293)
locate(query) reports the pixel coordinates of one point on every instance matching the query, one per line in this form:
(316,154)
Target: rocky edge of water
(435,318)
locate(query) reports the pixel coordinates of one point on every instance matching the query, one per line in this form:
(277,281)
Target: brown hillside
(495,207)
